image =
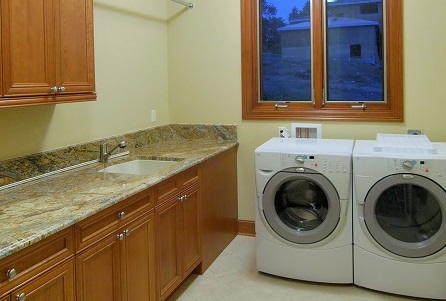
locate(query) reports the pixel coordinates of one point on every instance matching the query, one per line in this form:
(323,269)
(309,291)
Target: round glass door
(404,213)
(302,207)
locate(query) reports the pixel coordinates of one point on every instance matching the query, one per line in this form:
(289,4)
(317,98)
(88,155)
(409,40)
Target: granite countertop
(32,211)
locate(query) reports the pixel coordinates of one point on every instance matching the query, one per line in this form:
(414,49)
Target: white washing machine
(303,209)
(399,219)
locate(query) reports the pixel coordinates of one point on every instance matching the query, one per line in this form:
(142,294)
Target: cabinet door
(98,271)
(5,298)
(191,225)
(27,47)
(139,259)
(55,285)
(75,56)
(168,228)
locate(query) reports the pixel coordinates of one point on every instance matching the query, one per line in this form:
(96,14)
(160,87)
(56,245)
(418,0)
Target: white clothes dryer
(399,219)
(303,209)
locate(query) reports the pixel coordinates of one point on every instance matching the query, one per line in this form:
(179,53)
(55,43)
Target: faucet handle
(103,151)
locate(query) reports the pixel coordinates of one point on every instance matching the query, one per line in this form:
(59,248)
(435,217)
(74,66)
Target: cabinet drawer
(189,177)
(56,284)
(100,225)
(35,259)
(168,188)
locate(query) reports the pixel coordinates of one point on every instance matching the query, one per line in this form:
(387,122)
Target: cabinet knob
(121,215)
(120,236)
(61,89)
(11,273)
(54,89)
(21,297)
(126,232)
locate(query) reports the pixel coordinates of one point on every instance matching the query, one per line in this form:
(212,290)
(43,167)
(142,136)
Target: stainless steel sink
(140,167)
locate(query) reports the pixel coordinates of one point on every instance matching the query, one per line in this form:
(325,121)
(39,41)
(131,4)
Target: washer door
(405,214)
(301,205)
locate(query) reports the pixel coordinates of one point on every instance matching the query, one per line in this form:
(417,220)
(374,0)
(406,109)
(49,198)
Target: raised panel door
(168,229)
(139,259)
(55,285)
(27,47)
(191,225)
(98,271)
(75,57)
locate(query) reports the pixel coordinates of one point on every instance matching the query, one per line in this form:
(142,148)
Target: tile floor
(234,277)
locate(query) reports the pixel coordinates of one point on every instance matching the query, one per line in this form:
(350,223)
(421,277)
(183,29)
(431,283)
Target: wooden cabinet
(116,259)
(43,271)
(142,248)
(178,230)
(55,285)
(219,204)
(5,298)
(47,52)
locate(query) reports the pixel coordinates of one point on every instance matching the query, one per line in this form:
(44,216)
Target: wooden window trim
(253,109)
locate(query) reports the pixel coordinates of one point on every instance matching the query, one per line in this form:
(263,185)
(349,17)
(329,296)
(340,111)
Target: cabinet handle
(21,297)
(120,236)
(54,89)
(126,232)
(61,89)
(11,273)
(121,215)
(181,199)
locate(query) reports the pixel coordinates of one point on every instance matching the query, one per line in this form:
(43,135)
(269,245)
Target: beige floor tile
(234,277)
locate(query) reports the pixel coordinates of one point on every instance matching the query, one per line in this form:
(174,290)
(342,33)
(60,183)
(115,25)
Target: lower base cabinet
(178,239)
(135,250)
(120,267)
(55,285)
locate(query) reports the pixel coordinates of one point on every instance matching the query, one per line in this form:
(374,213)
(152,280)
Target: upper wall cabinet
(47,53)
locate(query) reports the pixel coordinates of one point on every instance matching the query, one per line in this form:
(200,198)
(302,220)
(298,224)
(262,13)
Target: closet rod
(187,4)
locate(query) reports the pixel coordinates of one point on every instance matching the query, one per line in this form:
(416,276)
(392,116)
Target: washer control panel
(408,165)
(324,164)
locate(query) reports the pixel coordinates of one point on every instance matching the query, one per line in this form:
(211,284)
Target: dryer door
(301,205)
(405,214)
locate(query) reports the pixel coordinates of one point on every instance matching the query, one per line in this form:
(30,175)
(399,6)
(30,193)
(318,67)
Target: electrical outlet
(306,130)
(414,132)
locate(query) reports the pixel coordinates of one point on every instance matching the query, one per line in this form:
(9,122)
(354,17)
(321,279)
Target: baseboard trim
(246,228)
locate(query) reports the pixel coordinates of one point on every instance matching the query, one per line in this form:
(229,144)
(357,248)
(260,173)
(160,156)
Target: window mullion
(317,52)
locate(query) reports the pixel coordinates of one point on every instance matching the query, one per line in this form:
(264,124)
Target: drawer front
(190,177)
(102,224)
(35,259)
(168,188)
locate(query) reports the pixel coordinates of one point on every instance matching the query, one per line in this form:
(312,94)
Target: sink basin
(139,167)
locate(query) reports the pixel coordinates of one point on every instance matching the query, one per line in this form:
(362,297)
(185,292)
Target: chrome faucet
(105,154)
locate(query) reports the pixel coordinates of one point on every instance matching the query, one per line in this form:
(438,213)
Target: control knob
(408,165)
(299,159)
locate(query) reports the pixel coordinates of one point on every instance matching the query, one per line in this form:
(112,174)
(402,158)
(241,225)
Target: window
(369,8)
(329,62)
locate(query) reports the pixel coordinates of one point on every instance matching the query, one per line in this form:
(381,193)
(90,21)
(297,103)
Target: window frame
(252,108)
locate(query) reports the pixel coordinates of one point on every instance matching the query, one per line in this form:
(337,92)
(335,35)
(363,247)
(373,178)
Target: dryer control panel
(325,164)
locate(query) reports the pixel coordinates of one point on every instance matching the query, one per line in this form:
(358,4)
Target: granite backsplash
(35,165)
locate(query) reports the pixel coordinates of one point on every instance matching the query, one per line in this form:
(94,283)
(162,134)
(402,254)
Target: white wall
(131,80)
(204,80)
(188,69)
